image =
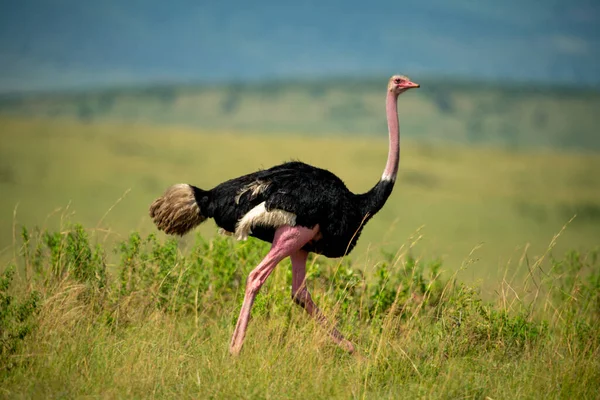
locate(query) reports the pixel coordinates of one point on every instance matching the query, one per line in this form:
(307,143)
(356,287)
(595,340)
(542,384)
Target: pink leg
(287,240)
(302,297)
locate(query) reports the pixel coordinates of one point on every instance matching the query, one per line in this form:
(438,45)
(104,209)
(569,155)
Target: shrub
(17,318)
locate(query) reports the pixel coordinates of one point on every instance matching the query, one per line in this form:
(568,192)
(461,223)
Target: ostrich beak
(410,85)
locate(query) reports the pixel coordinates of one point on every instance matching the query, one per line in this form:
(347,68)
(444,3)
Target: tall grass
(157,324)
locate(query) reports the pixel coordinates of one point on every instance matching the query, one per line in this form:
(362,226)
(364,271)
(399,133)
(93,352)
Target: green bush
(17,318)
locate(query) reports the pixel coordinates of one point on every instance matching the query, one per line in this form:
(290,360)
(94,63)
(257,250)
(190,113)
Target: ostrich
(296,207)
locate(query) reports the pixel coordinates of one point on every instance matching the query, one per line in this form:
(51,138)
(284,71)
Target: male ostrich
(297,207)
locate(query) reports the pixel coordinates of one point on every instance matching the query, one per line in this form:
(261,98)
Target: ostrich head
(400,83)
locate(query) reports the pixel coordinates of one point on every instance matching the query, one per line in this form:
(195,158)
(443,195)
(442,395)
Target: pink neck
(391,168)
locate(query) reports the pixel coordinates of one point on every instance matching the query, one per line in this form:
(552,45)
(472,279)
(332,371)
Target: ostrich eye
(397,80)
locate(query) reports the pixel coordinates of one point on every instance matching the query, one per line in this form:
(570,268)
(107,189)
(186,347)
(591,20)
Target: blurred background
(105,104)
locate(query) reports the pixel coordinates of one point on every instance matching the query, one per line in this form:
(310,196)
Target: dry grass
(112,339)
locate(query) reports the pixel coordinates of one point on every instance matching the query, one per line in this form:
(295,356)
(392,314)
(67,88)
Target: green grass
(157,324)
(454,198)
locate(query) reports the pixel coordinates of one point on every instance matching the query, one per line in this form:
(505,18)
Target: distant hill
(477,113)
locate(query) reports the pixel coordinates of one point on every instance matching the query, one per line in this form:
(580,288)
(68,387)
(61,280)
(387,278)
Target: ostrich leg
(287,240)
(302,297)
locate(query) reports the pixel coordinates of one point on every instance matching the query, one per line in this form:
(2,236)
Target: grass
(474,281)
(157,324)
(456,198)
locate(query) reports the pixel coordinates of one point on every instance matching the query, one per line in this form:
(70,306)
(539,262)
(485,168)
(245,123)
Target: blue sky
(46,44)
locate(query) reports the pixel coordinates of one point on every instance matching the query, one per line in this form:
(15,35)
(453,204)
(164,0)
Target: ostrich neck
(391,167)
(372,201)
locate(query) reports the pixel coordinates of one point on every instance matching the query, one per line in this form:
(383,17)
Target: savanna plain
(480,277)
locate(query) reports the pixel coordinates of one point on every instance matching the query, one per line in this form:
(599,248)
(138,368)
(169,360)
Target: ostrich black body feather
(313,195)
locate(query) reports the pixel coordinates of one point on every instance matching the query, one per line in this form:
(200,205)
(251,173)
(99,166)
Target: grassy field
(157,325)
(454,198)
(458,288)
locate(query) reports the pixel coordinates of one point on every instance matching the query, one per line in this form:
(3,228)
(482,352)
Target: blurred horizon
(66,44)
